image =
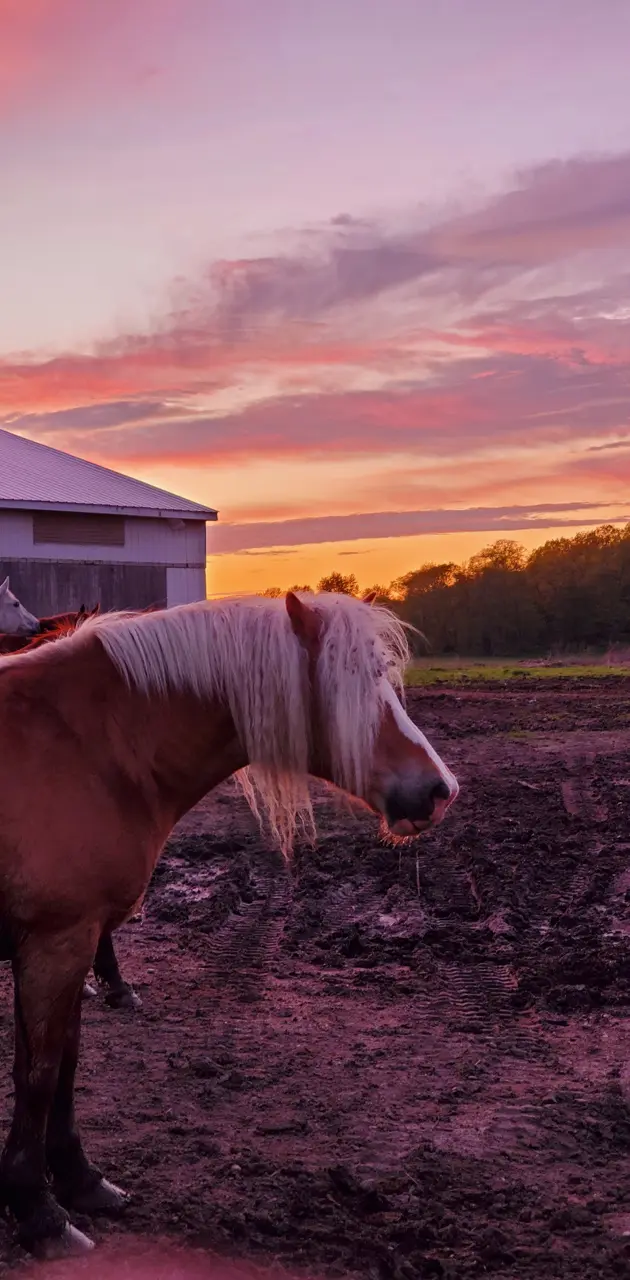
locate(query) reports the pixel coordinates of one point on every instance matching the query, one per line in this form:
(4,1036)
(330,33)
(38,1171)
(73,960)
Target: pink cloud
(520,401)
(180,361)
(61,49)
(331,342)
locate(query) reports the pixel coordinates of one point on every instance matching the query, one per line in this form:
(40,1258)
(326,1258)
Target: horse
(269,690)
(58,621)
(47,629)
(119,994)
(14,618)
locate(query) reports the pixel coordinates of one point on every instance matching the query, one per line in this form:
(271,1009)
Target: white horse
(15,620)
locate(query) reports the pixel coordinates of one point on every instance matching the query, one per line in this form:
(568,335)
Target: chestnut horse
(46,629)
(118,993)
(270,689)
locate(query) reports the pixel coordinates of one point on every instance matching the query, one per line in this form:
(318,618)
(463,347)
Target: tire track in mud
(244,948)
(580,801)
(475,996)
(566,959)
(237,895)
(481,994)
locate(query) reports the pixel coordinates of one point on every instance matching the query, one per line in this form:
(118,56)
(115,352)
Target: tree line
(570,593)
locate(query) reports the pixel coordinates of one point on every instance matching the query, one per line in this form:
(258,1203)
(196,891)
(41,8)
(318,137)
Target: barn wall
(158,564)
(185,585)
(50,586)
(147,541)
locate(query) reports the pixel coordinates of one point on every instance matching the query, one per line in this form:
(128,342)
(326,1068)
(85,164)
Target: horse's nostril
(440,791)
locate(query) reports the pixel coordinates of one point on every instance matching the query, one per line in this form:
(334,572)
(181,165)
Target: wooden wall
(54,586)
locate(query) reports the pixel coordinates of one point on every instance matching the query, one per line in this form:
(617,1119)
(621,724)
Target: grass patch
(426,671)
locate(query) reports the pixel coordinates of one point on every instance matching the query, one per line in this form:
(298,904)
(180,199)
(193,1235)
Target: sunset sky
(355,272)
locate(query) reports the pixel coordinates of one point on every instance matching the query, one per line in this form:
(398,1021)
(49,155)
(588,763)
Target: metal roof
(35,477)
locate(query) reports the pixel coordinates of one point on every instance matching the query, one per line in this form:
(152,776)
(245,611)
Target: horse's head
(383,758)
(15,620)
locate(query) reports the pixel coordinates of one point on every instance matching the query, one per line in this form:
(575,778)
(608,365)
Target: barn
(73,533)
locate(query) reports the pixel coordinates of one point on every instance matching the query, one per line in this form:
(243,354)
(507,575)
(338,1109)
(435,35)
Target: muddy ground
(383,1067)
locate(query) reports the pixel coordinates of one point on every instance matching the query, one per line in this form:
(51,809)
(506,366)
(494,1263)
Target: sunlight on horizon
(371,562)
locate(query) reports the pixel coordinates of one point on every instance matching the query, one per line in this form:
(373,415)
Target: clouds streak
(244,538)
(500,328)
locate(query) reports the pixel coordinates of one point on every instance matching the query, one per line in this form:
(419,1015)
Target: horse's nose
(441,791)
(430,802)
(414,808)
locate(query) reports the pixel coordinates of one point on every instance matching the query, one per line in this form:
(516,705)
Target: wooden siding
(51,586)
(185,585)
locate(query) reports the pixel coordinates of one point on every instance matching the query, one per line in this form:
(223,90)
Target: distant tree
(382,595)
(273,592)
(569,593)
(498,615)
(426,601)
(503,556)
(420,581)
(582,586)
(308,590)
(343,584)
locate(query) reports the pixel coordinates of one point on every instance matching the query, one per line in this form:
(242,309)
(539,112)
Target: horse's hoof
(71,1243)
(103,1197)
(127,999)
(89,992)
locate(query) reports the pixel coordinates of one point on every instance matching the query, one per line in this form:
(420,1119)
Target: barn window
(78,530)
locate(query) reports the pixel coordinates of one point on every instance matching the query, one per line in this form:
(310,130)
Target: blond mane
(244,651)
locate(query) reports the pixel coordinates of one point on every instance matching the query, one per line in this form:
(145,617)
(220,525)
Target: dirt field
(381,1068)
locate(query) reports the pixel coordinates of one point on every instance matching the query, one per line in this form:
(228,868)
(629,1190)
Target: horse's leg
(47,974)
(120,994)
(77,1182)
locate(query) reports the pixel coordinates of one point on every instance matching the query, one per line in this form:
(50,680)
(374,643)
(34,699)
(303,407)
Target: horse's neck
(175,747)
(192,747)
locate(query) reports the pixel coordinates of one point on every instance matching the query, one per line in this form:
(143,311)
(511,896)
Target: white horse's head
(15,620)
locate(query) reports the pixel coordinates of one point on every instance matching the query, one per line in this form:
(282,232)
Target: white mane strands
(245,651)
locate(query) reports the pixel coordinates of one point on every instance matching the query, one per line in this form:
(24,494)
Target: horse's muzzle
(410,813)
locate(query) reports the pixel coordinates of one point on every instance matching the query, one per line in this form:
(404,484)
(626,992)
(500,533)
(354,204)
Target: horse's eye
(16,604)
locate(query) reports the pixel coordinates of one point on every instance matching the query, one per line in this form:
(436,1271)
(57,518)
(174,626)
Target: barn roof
(35,477)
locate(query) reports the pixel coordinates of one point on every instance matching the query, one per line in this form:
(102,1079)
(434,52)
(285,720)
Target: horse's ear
(4,586)
(369,597)
(95,610)
(304,620)
(81,613)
